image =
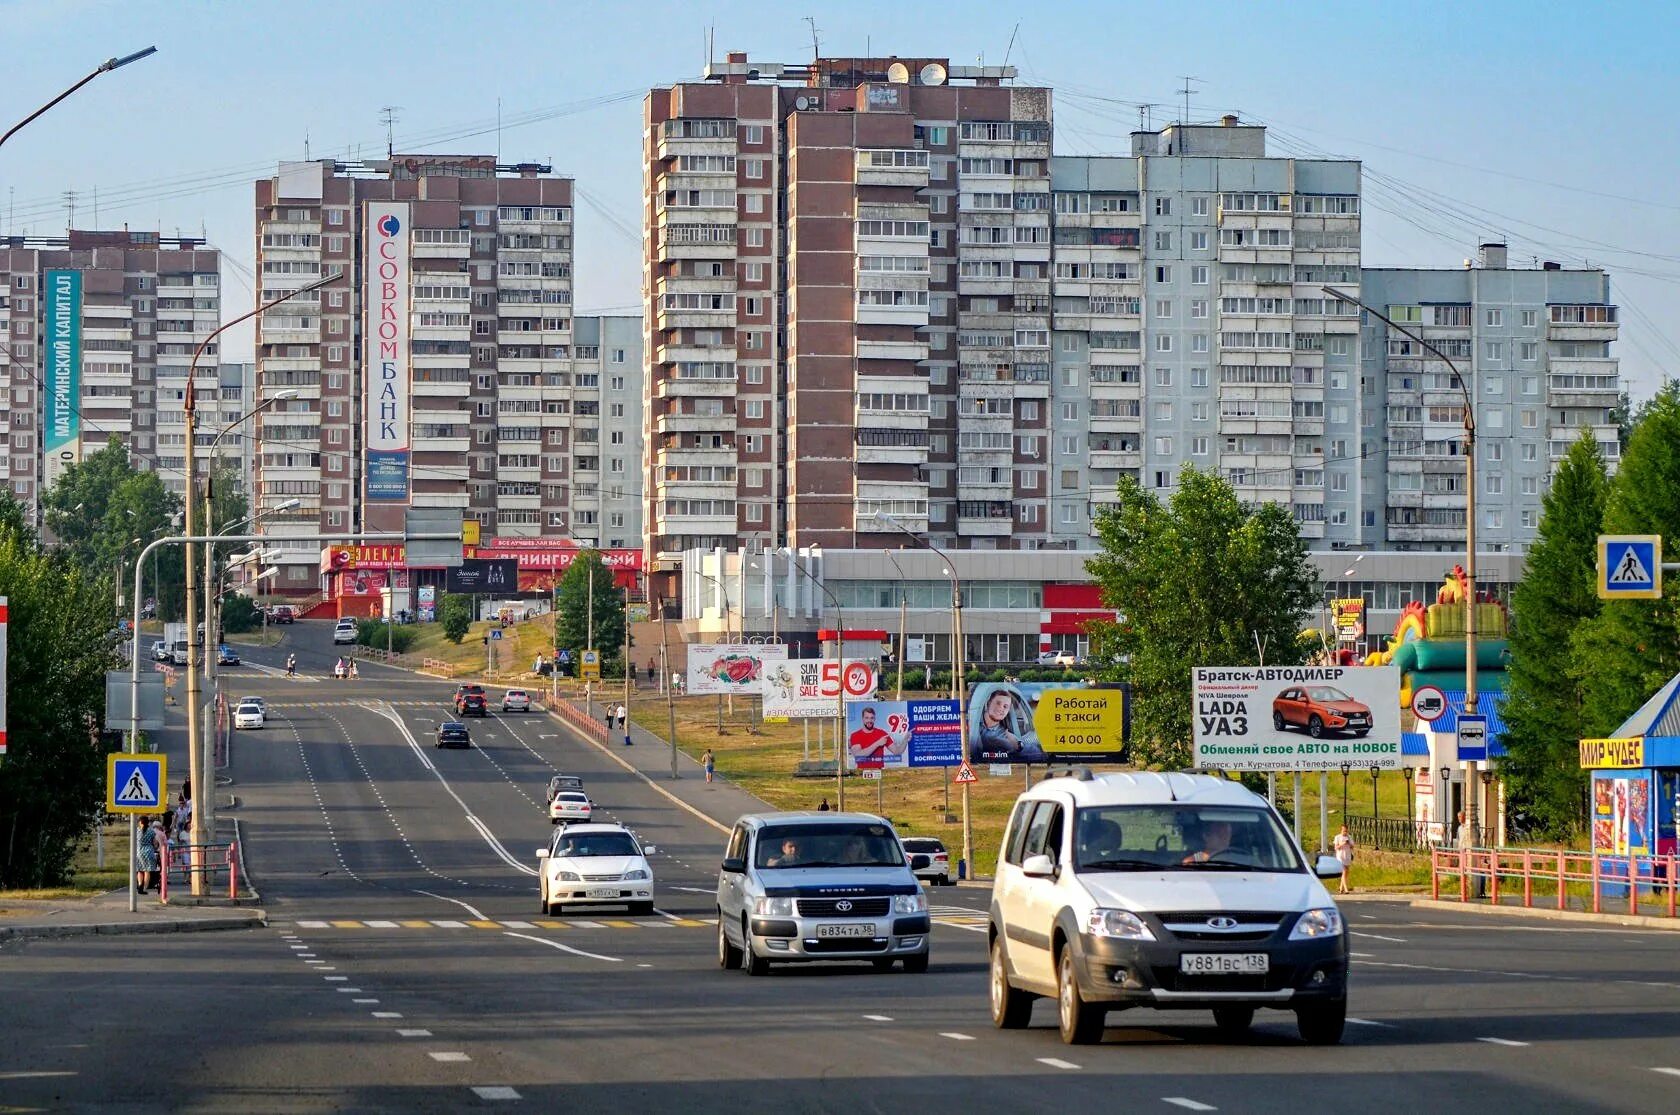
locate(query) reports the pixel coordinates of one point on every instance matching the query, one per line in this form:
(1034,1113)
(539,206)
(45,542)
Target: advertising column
(386,366)
(61,438)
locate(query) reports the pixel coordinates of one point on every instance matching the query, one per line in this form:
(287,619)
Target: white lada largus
(1172,891)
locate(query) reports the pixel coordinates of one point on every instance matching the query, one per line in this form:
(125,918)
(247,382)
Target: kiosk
(1636,789)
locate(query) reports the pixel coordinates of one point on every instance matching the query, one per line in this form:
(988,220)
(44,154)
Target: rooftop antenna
(1008,49)
(816,43)
(96,207)
(388,117)
(306,146)
(1187,90)
(498,129)
(70,208)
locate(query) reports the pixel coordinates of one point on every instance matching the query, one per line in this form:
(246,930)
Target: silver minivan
(800,887)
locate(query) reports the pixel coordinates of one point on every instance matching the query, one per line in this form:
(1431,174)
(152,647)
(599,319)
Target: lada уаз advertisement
(1296,717)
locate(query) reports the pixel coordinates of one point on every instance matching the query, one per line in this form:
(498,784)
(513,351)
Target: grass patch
(88,879)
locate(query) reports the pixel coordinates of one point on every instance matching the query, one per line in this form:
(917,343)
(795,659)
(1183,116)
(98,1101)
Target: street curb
(1638,921)
(621,761)
(258,920)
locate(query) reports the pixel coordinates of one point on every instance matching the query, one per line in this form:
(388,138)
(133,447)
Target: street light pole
(959,670)
(104,67)
(195,758)
(1470,695)
(839,682)
(724,591)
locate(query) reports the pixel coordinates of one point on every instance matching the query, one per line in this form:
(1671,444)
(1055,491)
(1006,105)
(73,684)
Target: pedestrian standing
(1343,846)
(608,715)
(145,853)
(184,812)
(653,665)
(823,808)
(709,761)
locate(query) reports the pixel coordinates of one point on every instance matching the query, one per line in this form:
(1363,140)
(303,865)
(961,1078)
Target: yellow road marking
(549,924)
(347,925)
(485,924)
(415,924)
(622,924)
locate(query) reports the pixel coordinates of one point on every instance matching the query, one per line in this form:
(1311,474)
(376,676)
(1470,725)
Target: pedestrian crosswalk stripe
(347,924)
(485,924)
(554,923)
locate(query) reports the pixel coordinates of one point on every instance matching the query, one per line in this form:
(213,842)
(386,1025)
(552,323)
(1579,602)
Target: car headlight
(569,877)
(1323,922)
(1122,924)
(639,873)
(773,908)
(910,903)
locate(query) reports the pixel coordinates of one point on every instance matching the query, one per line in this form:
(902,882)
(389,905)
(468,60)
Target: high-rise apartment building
(99,332)
(1533,347)
(440,371)
(821,241)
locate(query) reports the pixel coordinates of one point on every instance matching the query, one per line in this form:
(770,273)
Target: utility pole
(670,690)
(903,606)
(628,669)
(589,638)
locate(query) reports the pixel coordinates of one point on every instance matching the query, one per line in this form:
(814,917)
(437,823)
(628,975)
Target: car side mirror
(649,850)
(1039,867)
(920,863)
(1328,867)
(542,853)
(734,865)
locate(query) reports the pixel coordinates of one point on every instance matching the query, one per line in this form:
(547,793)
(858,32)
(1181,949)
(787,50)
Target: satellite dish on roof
(802,102)
(932,74)
(898,73)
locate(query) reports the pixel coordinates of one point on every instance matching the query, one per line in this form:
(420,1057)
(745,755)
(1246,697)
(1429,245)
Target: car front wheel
(1315,727)
(1322,1023)
(916,964)
(1081,1023)
(754,964)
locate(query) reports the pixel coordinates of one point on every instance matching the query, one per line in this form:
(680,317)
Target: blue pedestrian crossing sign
(135,783)
(1630,566)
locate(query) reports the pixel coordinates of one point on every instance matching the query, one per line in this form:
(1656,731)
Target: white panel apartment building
(504,421)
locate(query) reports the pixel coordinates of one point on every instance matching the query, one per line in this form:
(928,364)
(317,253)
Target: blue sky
(1549,125)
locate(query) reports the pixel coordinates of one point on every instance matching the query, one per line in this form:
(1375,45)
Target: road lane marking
(1379,937)
(380,924)
(348,990)
(450,924)
(878,1017)
(365,1002)
(414,1033)
(1504,1041)
(469,908)
(313,925)
(32,1074)
(335,979)
(485,924)
(1362,955)
(347,925)
(450,1057)
(567,948)
(1056,1063)
(495,1092)
(416,925)
(1188,1104)
(587,925)
(518,925)
(957,1037)
(1369,1022)
(1667,1071)
(622,924)
(694,890)
(387,1014)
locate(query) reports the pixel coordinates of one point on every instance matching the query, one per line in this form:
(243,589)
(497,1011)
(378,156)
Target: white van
(1172,891)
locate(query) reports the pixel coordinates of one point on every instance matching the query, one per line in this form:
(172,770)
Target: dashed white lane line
(335,979)
(387,1014)
(878,1017)
(365,1002)
(957,1037)
(567,948)
(414,1033)
(1056,1063)
(1666,1071)
(1379,937)
(451,1057)
(1188,1104)
(1369,1022)
(349,990)
(1362,955)
(1504,1041)
(495,1092)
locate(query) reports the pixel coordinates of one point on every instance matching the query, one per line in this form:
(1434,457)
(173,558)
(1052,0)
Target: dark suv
(470,701)
(453,734)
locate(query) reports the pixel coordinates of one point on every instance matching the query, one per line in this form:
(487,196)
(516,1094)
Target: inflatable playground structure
(1428,646)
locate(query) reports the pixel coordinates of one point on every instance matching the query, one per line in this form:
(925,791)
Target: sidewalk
(718,803)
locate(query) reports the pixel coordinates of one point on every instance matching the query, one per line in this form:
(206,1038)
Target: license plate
(1224,963)
(603,892)
(866,929)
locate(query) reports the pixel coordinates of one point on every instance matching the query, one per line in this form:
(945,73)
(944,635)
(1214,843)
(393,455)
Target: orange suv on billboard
(1320,709)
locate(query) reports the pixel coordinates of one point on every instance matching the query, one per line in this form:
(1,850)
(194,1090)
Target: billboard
(1296,717)
(61,439)
(726,668)
(386,373)
(895,735)
(428,603)
(479,575)
(810,690)
(1047,722)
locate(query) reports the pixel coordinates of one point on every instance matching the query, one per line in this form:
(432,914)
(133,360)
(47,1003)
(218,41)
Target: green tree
(1632,647)
(60,642)
(572,612)
(454,611)
(1203,580)
(240,614)
(1544,691)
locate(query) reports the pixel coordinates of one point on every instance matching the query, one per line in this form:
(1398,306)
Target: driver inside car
(1215,837)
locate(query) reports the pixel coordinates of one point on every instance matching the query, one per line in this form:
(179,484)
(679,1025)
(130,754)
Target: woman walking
(709,761)
(145,853)
(1343,846)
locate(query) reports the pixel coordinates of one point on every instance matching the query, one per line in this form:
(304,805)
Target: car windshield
(515,694)
(1181,837)
(923,846)
(859,844)
(572,796)
(596,844)
(1326,693)
(250,708)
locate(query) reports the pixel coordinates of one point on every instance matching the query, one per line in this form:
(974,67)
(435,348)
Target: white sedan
(249,714)
(570,807)
(595,865)
(516,700)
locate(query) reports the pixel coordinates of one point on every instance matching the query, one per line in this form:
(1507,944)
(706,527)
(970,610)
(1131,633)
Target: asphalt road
(408,968)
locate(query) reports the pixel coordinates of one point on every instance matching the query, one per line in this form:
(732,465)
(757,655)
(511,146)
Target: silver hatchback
(800,887)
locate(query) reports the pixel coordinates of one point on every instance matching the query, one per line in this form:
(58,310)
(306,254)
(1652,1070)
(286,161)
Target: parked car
(595,865)
(470,701)
(282,613)
(563,782)
(452,733)
(938,869)
(344,631)
(249,715)
(1320,709)
(797,887)
(570,807)
(516,700)
(226,656)
(1065,659)
(1172,891)
(160,651)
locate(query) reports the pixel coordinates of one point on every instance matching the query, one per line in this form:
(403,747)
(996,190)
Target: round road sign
(1428,703)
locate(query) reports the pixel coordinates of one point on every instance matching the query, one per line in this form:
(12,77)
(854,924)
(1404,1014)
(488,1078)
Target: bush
(372,633)
(240,614)
(455,613)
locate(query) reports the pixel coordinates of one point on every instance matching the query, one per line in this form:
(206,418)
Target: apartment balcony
(686,457)
(670,147)
(690,489)
(453,445)
(892,350)
(1107,458)
(436,360)
(984,519)
(988,285)
(696,284)
(698,249)
(865,522)
(696,319)
(1588,322)
(672,387)
(454,248)
(901,168)
(893,454)
(694,424)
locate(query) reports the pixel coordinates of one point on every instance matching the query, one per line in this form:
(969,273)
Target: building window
(1199,275)
(1496,385)
(1495,484)
(1198,342)
(1163,342)
(1163,377)
(1495,318)
(1163,446)
(1198,241)
(1163,274)
(1200,412)
(1531,485)
(755,203)
(1163,240)
(1530,419)
(1163,207)
(1199,206)
(1495,350)
(1530,351)
(1494,520)
(1198,377)
(1198,306)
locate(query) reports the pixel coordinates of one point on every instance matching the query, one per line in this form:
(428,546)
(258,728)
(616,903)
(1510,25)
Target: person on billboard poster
(1001,721)
(872,746)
